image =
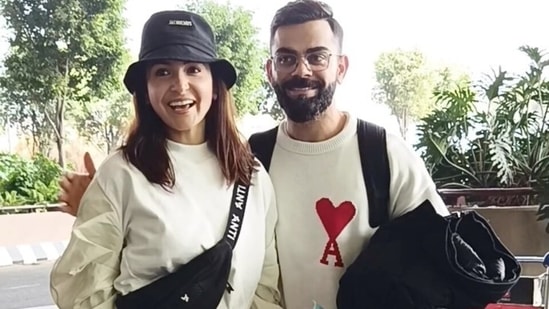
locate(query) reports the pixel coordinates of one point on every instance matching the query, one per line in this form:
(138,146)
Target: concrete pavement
(26,286)
(31,238)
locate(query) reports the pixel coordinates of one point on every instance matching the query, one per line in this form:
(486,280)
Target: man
(315,167)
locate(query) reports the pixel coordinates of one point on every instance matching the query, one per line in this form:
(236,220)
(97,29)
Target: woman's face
(181,94)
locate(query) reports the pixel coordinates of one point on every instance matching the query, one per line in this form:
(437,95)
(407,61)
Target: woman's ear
(215,91)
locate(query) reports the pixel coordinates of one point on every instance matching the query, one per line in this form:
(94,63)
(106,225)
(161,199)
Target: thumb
(88,163)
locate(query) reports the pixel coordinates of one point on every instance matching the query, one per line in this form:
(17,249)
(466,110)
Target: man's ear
(269,70)
(342,67)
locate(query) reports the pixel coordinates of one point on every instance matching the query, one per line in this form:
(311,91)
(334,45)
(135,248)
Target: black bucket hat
(178,35)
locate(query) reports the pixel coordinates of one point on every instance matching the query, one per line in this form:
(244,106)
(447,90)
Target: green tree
(237,41)
(269,105)
(405,84)
(63,53)
(447,79)
(493,133)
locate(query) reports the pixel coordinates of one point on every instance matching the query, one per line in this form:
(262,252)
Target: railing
(453,197)
(545,262)
(30,208)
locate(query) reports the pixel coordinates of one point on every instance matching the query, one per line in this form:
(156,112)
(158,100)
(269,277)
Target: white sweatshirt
(129,232)
(323,208)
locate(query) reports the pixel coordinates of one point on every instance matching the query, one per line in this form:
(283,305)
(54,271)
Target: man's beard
(303,109)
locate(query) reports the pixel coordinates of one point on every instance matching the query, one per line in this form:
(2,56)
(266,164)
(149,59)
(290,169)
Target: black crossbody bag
(201,282)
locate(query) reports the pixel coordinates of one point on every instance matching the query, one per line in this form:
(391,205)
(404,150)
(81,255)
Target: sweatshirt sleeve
(84,275)
(267,295)
(411,183)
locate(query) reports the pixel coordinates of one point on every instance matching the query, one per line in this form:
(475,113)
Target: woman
(165,197)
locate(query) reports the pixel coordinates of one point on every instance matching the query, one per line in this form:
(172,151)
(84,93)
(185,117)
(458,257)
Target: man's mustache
(301,83)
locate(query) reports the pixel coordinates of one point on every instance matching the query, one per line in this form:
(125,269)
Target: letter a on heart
(334,219)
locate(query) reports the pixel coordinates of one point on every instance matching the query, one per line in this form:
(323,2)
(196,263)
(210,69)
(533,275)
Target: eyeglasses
(315,61)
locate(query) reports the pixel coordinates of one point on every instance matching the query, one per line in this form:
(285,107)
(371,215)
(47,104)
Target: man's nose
(302,68)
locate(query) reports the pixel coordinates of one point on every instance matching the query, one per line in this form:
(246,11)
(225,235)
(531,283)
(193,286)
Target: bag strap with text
(236,213)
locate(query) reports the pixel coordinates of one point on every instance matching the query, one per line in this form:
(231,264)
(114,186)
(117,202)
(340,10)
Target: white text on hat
(177,22)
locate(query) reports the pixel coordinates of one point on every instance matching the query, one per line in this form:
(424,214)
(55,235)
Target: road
(25,286)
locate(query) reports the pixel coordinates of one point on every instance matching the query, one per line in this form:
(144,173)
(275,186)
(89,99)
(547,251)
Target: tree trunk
(60,129)
(108,139)
(60,150)
(60,117)
(402,119)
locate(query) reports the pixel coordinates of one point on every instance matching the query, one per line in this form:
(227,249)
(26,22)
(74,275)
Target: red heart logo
(334,219)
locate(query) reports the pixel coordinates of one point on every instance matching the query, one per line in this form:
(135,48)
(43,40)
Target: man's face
(305,66)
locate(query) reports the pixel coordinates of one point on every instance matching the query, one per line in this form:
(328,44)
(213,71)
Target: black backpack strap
(372,145)
(236,213)
(263,144)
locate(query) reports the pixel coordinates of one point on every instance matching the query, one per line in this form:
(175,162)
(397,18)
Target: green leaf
(237,41)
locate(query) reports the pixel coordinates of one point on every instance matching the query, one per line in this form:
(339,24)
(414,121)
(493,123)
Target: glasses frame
(300,58)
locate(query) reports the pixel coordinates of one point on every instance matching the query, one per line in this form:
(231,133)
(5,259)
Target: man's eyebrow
(317,49)
(287,50)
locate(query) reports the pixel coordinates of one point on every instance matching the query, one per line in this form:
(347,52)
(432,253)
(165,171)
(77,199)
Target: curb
(31,253)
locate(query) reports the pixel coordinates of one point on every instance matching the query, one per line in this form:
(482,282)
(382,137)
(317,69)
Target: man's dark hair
(302,11)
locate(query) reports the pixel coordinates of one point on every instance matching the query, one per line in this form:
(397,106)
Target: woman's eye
(161,72)
(193,70)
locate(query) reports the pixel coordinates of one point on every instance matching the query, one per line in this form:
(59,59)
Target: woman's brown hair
(146,145)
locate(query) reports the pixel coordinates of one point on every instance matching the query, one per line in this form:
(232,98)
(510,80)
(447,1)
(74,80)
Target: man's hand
(73,185)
